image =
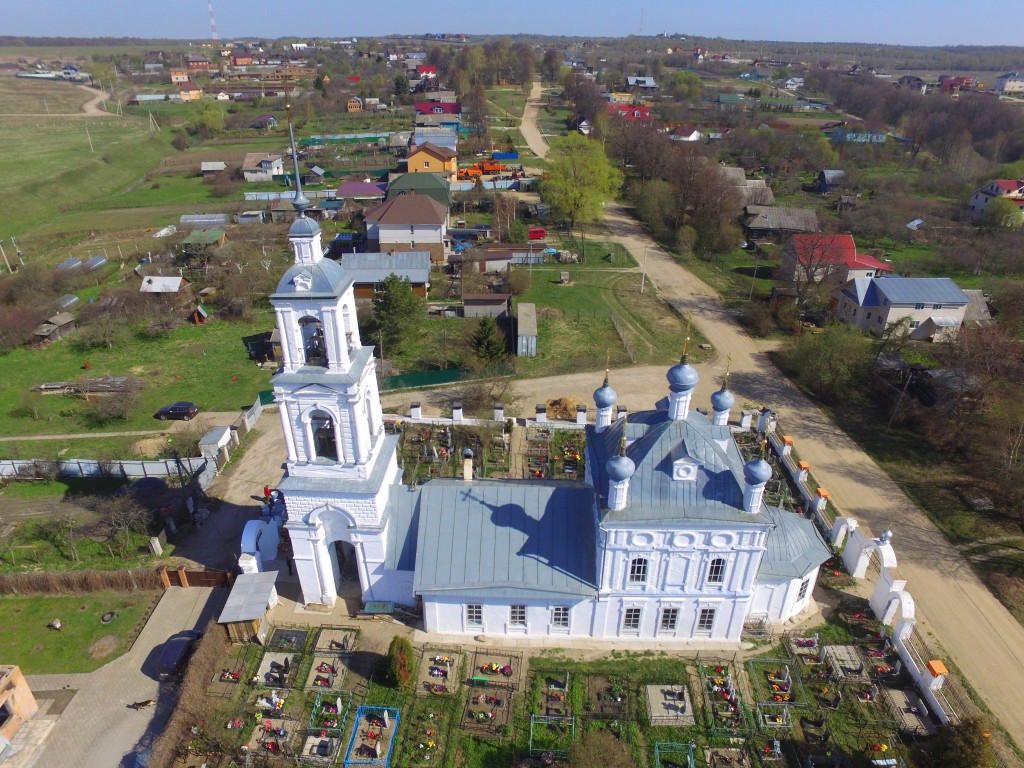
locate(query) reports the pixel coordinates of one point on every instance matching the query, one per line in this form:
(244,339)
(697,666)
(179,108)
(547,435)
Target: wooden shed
(245,612)
(56,327)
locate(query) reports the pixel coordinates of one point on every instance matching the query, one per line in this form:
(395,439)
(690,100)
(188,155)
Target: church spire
(304,233)
(300,202)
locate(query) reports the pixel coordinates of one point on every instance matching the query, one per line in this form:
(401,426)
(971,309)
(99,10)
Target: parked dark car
(182,410)
(175,655)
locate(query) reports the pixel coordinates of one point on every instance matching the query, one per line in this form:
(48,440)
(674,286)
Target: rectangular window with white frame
(706,620)
(517,615)
(716,571)
(631,619)
(560,617)
(803,589)
(669,619)
(637,571)
(474,615)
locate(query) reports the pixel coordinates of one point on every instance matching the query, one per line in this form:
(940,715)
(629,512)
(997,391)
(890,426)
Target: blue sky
(912,22)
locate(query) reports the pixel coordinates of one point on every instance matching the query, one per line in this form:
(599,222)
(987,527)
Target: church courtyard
(777,702)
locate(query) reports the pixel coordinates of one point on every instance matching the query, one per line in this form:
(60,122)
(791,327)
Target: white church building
(668,538)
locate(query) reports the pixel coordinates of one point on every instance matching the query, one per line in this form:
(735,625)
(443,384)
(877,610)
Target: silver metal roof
(329,281)
(786,219)
(795,548)
(921,290)
(527,315)
(376,267)
(654,443)
(506,538)
(249,598)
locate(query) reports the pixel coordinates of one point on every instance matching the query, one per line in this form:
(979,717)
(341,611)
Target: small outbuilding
(494,305)
(245,613)
(526,330)
(56,327)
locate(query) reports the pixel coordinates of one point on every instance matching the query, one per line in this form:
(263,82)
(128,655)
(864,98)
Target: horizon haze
(912,23)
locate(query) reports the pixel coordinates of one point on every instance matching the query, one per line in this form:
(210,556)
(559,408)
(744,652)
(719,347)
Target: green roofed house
(196,247)
(429,184)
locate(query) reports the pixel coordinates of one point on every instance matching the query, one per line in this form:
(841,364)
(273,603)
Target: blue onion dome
(757,471)
(682,377)
(604,396)
(620,468)
(722,400)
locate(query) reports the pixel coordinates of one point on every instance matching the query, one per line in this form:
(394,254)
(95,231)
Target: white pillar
(752,495)
(288,427)
(604,419)
(618,492)
(679,405)
(581,414)
(720,418)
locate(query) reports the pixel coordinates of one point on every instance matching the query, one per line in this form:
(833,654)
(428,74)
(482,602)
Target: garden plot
(609,698)
(438,672)
(326,674)
(288,640)
(276,669)
(373,736)
(336,640)
(553,735)
(670,705)
(500,666)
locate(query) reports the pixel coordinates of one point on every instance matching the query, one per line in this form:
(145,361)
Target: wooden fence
(182,577)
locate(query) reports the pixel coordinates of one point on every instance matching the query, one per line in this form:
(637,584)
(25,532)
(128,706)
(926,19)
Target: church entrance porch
(346,574)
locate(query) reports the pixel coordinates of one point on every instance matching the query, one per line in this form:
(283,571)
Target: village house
(819,258)
(935,307)
(431,184)
(1004,189)
(829,180)
(430,158)
(765,222)
(369,270)
(179,76)
(409,223)
(17,707)
(189,91)
(262,167)
(1011,82)
(264,122)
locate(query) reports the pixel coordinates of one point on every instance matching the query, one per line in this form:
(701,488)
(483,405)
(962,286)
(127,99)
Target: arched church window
(314,346)
(371,415)
(716,571)
(325,444)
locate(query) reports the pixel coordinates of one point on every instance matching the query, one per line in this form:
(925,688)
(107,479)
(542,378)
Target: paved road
(98,730)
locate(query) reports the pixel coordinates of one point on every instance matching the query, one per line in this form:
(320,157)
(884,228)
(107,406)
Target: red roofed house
(409,223)
(1007,189)
(426,70)
(438,108)
(819,258)
(353,79)
(629,112)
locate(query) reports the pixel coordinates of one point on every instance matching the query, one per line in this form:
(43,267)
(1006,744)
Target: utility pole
(643,279)
(753,277)
(4,253)
(910,378)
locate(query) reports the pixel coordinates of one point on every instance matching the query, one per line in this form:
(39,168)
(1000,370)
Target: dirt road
(531,132)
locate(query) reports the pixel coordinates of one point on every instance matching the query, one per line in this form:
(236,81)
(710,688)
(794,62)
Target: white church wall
(447,615)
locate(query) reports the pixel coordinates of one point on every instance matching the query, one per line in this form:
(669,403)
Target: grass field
(49,167)
(37,97)
(207,364)
(85,643)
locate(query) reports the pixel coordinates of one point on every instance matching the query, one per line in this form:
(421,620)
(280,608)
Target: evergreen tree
(487,341)
(398,312)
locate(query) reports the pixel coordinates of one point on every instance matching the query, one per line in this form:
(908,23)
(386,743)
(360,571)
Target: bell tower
(326,387)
